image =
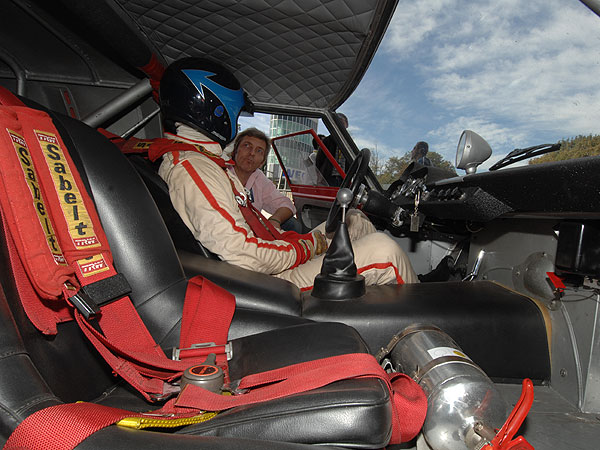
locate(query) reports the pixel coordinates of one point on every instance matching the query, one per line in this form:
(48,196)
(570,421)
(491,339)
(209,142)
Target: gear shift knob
(344,197)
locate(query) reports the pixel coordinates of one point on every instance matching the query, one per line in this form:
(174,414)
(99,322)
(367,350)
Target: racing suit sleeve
(201,193)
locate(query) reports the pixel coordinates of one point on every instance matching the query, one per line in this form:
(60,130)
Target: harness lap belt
(38,431)
(61,261)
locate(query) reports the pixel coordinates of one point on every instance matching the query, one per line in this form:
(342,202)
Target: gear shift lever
(338,279)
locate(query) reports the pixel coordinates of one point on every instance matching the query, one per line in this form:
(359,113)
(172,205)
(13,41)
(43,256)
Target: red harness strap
(27,220)
(45,429)
(408,400)
(303,245)
(59,233)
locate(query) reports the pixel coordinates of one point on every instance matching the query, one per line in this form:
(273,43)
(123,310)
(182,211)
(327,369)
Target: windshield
(518,73)
(300,144)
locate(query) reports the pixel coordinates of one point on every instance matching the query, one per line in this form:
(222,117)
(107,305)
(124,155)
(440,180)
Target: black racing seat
(38,371)
(180,233)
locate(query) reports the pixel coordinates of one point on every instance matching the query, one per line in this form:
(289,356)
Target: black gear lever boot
(338,279)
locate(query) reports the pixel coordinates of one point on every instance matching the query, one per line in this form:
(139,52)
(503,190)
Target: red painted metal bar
(312,132)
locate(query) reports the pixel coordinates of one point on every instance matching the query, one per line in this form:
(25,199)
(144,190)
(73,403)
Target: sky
(517,72)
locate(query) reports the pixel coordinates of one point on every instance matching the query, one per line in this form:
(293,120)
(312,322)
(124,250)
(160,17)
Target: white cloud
(259,120)
(541,75)
(380,148)
(519,73)
(413,23)
(501,139)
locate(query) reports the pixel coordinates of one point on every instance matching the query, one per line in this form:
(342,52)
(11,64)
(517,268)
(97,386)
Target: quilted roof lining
(285,52)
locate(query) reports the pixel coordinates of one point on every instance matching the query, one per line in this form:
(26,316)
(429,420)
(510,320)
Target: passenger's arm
(280,216)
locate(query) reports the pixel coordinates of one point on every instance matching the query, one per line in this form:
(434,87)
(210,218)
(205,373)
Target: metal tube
(17,69)
(594,5)
(138,126)
(115,106)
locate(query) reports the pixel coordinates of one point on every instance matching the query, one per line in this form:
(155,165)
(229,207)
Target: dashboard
(567,189)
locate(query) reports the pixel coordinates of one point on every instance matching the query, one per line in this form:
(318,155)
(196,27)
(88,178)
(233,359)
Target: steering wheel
(354,178)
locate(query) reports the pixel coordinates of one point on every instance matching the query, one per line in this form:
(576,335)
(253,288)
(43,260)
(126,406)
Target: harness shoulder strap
(37,258)
(90,283)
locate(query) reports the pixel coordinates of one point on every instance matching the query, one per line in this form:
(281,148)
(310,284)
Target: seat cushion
(352,411)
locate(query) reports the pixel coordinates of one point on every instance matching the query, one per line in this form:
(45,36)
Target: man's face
(250,154)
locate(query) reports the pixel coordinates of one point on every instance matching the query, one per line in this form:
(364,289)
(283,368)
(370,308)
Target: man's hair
(422,148)
(255,133)
(343,117)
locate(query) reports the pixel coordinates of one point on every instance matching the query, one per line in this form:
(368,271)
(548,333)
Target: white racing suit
(204,198)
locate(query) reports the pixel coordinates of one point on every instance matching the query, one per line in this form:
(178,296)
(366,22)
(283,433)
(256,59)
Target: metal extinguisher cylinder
(464,407)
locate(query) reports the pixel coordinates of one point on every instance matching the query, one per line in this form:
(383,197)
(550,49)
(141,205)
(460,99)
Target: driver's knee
(358,224)
(381,260)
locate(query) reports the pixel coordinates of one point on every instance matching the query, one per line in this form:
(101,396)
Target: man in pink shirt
(250,150)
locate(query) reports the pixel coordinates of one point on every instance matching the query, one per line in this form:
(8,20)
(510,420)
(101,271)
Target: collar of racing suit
(190,135)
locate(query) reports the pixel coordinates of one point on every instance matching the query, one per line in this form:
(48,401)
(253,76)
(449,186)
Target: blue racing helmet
(204,95)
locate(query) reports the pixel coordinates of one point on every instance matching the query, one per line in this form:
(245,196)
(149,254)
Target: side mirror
(472,151)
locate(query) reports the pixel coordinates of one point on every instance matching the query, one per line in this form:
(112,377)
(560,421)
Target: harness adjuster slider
(91,297)
(85,305)
(228,349)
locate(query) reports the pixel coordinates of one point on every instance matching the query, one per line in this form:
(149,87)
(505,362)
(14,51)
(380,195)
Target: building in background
(294,150)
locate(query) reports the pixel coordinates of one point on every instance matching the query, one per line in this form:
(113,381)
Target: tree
(576,147)
(394,166)
(375,162)
(438,160)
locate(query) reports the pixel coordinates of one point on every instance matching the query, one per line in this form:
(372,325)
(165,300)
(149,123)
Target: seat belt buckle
(176,356)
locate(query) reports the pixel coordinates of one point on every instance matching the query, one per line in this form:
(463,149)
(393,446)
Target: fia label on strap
(92,265)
